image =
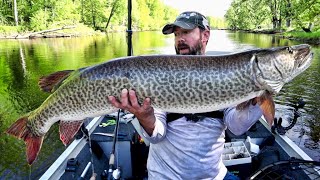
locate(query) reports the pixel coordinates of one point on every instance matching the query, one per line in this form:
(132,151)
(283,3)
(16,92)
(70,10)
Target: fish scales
(174,83)
(182,84)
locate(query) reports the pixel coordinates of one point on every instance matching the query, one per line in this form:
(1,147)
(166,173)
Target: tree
(15,12)
(305,13)
(250,14)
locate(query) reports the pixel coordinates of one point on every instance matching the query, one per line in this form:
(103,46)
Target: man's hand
(144,112)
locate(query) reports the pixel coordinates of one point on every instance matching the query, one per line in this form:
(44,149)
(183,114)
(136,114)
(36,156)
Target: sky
(216,8)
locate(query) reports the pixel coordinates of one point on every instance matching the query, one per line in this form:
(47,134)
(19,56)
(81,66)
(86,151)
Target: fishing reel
(278,128)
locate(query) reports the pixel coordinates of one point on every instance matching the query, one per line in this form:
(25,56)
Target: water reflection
(23,62)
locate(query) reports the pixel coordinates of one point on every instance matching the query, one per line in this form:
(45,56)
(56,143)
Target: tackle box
(235,153)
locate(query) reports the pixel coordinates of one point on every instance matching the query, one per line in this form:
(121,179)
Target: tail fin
(33,142)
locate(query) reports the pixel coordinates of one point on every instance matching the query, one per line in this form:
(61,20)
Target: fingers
(129,101)
(114,102)
(123,104)
(124,98)
(133,99)
(146,103)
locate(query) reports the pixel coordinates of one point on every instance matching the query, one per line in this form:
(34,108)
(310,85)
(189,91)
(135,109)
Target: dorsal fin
(48,83)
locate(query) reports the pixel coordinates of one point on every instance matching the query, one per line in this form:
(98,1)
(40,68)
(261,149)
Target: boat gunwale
(57,169)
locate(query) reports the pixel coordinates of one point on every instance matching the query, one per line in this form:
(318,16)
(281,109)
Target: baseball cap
(187,20)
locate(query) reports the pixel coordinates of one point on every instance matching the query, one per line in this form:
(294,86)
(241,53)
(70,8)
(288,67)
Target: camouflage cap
(187,20)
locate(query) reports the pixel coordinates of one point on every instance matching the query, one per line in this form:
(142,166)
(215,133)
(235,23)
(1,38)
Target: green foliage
(142,18)
(39,21)
(303,34)
(66,11)
(7,30)
(38,15)
(217,23)
(275,14)
(92,12)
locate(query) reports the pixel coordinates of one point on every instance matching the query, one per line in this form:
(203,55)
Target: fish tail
(33,142)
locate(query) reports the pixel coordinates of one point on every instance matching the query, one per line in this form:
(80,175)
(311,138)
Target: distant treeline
(37,15)
(274,14)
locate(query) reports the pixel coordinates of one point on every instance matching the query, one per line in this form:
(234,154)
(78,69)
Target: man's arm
(239,120)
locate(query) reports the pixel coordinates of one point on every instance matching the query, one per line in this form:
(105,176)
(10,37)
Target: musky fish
(174,83)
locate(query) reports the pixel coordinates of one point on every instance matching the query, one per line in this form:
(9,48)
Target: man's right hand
(144,113)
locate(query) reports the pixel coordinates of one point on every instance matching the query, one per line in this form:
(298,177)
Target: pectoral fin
(267,106)
(48,83)
(68,129)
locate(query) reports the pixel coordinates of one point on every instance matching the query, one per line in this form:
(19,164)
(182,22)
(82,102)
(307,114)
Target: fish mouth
(302,54)
(303,58)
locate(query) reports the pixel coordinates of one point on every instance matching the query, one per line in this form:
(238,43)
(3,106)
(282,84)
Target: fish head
(274,67)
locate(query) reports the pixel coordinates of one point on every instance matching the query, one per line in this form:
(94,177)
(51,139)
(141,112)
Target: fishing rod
(111,173)
(115,174)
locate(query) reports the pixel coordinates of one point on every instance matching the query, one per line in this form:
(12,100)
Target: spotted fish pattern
(175,83)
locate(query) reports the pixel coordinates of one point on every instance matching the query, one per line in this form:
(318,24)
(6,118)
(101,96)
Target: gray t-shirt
(184,149)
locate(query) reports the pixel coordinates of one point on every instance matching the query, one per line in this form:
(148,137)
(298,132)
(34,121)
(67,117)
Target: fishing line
(30,170)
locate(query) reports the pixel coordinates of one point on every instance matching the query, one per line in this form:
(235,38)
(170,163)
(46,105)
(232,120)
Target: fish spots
(127,75)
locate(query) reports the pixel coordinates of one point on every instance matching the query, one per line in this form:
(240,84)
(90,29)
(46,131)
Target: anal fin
(68,129)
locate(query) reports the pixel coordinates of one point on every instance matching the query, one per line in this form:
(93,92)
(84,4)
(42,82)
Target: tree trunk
(82,14)
(280,15)
(308,29)
(15,12)
(288,22)
(273,7)
(274,22)
(114,7)
(288,14)
(42,33)
(93,15)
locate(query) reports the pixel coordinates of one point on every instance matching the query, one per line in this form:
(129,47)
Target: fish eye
(290,50)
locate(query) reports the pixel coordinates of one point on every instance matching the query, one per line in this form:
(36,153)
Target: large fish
(175,83)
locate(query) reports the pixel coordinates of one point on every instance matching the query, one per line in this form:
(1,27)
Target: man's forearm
(148,124)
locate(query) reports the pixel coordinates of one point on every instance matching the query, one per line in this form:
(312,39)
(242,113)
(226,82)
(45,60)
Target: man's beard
(196,50)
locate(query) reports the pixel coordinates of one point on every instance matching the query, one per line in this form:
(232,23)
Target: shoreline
(55,34)
(281,34)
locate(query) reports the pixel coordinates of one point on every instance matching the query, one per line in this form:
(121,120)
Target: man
(187,146)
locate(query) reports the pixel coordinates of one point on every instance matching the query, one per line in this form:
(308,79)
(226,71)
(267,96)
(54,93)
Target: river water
(23,62)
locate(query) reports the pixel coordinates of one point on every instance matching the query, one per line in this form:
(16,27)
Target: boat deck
(132,153)
(128,147)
